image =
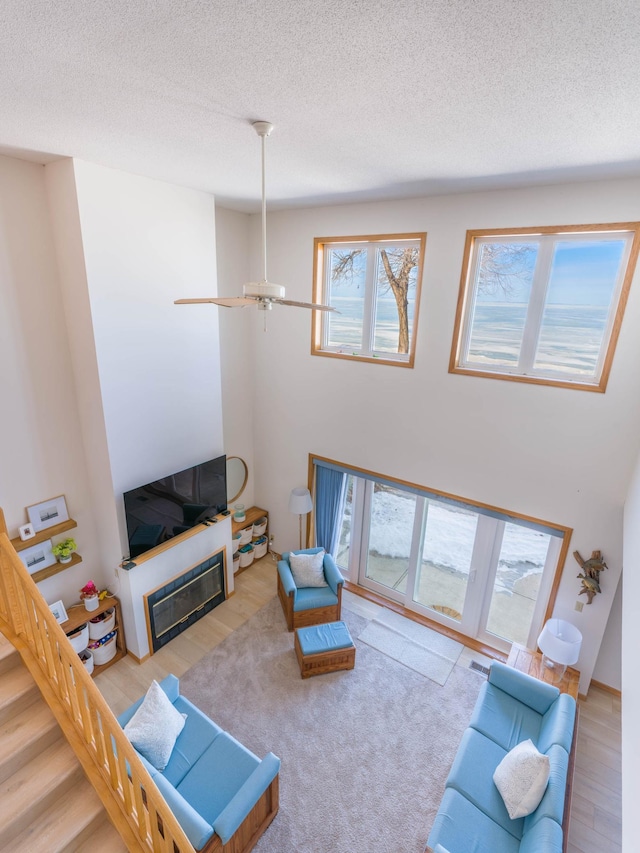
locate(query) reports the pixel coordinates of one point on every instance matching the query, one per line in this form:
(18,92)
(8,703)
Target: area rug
(416,646)
(365,752)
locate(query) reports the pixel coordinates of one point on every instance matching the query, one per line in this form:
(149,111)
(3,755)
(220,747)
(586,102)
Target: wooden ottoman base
(328,660)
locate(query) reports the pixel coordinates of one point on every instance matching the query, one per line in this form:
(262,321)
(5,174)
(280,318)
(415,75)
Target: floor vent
(478,667)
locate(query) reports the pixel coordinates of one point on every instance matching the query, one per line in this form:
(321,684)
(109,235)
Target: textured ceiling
(371,99)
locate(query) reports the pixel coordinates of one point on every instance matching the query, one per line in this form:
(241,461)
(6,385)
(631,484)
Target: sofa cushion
(545,837)
(155,726)
(522,777)
(197,829)
(197,735)
(558,723)
(471,772)
(462,828)
(308,569)
(504,719)
(227,762)
(552,803)
(538,695)
(311,597)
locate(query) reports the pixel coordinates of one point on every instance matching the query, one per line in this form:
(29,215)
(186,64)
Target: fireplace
(180,602)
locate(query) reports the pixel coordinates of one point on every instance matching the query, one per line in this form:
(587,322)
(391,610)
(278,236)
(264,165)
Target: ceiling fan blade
(226,301)
(313,305)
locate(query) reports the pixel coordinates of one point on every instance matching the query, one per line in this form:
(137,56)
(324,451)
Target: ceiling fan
(263,293)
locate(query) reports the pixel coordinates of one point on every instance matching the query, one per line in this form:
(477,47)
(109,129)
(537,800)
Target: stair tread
(9,656)
(18,688)
(26,735)
(105,839)
(56,829)
(35,785)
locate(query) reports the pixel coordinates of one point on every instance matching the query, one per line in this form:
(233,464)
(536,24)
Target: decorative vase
(91,602)
(65,559)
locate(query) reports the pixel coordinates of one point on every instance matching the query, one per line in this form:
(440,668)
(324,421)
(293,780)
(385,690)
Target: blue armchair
(303,606)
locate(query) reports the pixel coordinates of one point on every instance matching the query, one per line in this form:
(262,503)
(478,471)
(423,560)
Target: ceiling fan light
(264,290)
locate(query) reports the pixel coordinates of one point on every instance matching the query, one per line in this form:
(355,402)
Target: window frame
(462,325)
(318,326)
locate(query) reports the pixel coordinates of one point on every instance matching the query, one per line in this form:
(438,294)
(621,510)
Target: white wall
(555,454)
(42,452)
(236,342)
(608,668)
(631,667)
(147,243)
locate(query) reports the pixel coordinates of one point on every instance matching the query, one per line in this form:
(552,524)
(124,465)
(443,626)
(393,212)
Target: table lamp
(559,642)
(300,503)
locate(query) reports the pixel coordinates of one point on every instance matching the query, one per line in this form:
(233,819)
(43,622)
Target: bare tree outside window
(395,276)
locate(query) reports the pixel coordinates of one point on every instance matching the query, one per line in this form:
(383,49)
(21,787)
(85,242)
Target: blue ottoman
(324,648)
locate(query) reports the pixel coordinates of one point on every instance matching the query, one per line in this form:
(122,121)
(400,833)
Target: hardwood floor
(596,823)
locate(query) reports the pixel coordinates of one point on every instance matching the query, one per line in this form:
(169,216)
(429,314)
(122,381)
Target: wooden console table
(530,662)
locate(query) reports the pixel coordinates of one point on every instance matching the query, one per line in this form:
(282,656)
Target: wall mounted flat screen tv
(160,510)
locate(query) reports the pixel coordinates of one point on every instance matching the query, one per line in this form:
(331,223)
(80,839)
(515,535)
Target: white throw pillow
(307,569)
(522,777)
(155,726)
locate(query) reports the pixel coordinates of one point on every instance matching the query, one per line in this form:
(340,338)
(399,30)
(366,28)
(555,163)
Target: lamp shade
(300,501)
(560,641)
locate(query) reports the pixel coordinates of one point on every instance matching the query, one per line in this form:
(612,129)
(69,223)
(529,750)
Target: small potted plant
(90,595)
(63,550)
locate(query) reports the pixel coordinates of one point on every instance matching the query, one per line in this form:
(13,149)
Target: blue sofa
(214,786)
(472,817)
(304,606)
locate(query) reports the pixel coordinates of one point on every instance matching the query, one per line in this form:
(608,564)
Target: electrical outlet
(579,606)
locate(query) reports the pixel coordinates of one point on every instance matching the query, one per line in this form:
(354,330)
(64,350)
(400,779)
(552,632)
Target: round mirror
(237,475)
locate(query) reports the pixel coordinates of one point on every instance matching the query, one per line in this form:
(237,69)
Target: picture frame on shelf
(38,557)
(48,513)
(26,532)
(57,608)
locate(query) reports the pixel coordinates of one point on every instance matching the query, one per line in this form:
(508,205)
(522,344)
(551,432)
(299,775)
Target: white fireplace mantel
(156,570)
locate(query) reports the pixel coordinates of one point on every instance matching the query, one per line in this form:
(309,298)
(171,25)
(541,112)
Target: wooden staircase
(46,801)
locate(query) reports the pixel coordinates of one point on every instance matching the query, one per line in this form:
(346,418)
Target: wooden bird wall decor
(590,575)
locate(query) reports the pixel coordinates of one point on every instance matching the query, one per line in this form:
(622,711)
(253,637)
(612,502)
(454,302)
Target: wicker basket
(260,547)
(259,527)
(79,638)
(86,656)
(245,536)
(104,651)
(246,556)
(102,624)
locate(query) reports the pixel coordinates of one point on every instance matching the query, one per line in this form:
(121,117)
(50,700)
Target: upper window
(374,284)
(544,305)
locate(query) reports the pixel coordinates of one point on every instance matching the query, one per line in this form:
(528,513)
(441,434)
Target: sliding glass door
(483,574)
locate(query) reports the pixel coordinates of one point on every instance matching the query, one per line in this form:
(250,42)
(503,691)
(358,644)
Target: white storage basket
(103,652)
(79,638)
(87,659)
(102,624)
(236,562)
(246,556)
(260,547)
(246,536)
(235,540)
(259,527)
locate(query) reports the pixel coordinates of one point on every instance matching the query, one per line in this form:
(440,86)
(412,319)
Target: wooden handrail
(132,800)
